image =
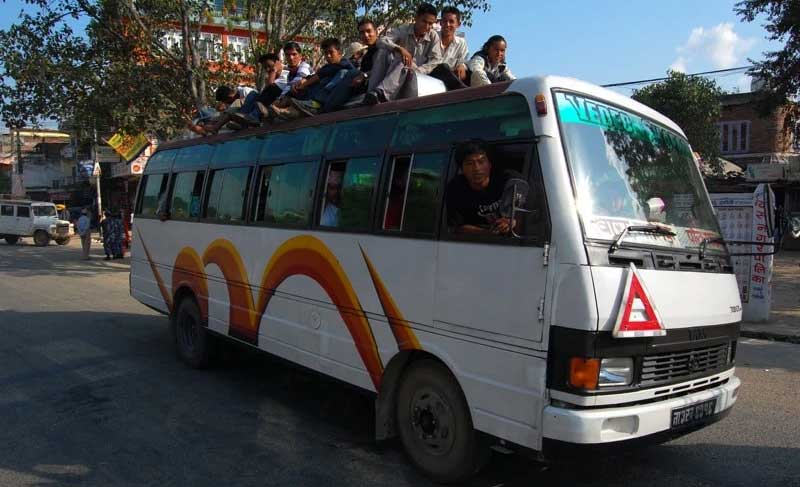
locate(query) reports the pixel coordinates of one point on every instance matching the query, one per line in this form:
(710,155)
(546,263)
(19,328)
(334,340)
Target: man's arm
(304,83)
(434,55)
(394,39)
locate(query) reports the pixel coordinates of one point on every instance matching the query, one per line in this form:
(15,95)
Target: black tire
(11,240)
(41,238)
(63,241)
(435,425)
(190,335)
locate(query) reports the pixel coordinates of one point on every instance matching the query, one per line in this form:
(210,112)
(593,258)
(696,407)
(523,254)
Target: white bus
(606,311)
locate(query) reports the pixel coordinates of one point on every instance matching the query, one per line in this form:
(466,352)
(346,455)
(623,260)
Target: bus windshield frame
(627,169)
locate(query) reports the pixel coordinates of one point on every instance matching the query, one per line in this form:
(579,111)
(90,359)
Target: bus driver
(475,197)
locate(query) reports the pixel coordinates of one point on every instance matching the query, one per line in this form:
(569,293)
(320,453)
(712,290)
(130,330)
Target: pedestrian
(116,236)
(105,228)
(85,231)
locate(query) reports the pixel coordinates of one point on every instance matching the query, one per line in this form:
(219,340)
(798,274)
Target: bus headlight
(615,372)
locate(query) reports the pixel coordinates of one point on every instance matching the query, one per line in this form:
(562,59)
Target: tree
(693,103)
(125,73)
(781,69)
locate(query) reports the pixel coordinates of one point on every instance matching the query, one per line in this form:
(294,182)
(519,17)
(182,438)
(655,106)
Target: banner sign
(129,146)
(749,217)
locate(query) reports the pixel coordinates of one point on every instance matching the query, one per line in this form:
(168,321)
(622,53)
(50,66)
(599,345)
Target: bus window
(295,143)
(368,135)
(348,191)
(285,194)
(193,157)
(503,117)
(155,186)
(228,194)
(187,190)
(161,161)
(24,212)
(6,210)
(486,213)
(240,151)
(412,199)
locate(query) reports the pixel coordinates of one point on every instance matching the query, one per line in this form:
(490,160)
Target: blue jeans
(249,106)
(341,91)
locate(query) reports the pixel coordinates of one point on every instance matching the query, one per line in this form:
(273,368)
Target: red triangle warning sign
(637,315)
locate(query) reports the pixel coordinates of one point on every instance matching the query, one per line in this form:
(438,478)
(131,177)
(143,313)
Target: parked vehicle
(37,219)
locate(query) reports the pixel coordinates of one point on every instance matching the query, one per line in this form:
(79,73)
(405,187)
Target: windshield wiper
(651,229)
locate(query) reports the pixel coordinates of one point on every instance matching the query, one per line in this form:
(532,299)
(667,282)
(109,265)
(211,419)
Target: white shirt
(456,53)
(330,216)
(285,84)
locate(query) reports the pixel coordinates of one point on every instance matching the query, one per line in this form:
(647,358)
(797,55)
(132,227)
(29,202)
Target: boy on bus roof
(453,71)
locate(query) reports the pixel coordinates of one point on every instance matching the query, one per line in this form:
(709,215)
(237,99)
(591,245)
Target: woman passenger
(489,64)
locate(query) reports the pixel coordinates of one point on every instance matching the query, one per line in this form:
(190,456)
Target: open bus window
(412,196)
(488,212)
(347,194)
(285,193)
(187,190)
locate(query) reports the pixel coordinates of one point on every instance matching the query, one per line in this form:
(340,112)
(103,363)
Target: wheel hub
(432,421)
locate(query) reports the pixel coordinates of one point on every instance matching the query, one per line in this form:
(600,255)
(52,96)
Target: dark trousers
(269,94)
(445,74)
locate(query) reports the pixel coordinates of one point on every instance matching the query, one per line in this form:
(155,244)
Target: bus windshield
(627,170)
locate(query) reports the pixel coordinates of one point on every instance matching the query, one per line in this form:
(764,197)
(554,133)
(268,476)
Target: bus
(608,312)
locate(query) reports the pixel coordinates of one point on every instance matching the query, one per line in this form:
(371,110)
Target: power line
(643,81)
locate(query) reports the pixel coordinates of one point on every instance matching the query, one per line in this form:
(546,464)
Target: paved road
(92,395)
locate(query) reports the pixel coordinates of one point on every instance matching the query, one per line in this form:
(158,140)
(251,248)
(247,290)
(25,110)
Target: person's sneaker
(373,98)
(309,107)
(244,120)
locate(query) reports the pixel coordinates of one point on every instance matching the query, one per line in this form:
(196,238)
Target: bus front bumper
(618,424)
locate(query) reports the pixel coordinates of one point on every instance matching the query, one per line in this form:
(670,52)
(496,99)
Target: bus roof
(531,85)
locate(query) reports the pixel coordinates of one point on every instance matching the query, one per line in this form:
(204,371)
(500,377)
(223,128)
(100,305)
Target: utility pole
(97,172)
(17,184)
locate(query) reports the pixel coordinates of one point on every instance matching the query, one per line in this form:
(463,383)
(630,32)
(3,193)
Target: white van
(37,219)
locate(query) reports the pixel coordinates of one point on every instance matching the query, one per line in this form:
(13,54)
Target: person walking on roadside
(116,236)
(105,228)
(85,231)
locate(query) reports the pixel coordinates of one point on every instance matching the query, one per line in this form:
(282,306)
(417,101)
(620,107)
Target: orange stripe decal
(161,287)
(190,271)
(309,256)
(403,333)
(242,317)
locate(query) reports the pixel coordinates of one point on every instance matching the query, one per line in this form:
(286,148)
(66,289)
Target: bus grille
(675,367)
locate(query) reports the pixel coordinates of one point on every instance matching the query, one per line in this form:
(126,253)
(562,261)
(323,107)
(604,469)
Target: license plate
(695,412)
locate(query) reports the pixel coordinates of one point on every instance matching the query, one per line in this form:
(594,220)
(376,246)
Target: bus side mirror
(515,198)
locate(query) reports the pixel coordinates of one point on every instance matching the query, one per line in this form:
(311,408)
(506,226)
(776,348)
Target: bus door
(492,286)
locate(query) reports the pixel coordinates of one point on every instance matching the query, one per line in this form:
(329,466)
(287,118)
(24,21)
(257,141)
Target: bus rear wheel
(435,426)
(41,238)
(12,240)
(192,343)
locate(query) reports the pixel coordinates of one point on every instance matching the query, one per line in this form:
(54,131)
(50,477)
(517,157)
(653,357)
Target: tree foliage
(780,70)
(125,73)
(693,103)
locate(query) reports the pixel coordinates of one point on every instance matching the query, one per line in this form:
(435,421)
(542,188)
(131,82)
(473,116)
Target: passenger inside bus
(333,197)
(475,196)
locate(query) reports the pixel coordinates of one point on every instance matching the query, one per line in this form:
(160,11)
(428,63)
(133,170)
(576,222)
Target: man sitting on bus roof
(453,71)
(355,81)
(311,92)
(475,196)
(412,48)
(236,105)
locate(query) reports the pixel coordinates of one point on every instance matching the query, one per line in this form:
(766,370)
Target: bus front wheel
(435,426)
(192,343)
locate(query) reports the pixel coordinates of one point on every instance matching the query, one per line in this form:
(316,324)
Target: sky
(607,41)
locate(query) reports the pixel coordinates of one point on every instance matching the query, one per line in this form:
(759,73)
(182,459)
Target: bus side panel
(505,389)
(143,281)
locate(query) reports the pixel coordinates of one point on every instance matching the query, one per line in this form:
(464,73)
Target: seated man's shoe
(374,98)
(308,107)
(244,120)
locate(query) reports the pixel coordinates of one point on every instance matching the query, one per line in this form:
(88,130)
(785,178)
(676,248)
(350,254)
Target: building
(765,147)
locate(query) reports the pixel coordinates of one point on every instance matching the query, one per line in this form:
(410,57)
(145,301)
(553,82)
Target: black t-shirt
(365,64)
(465,206)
